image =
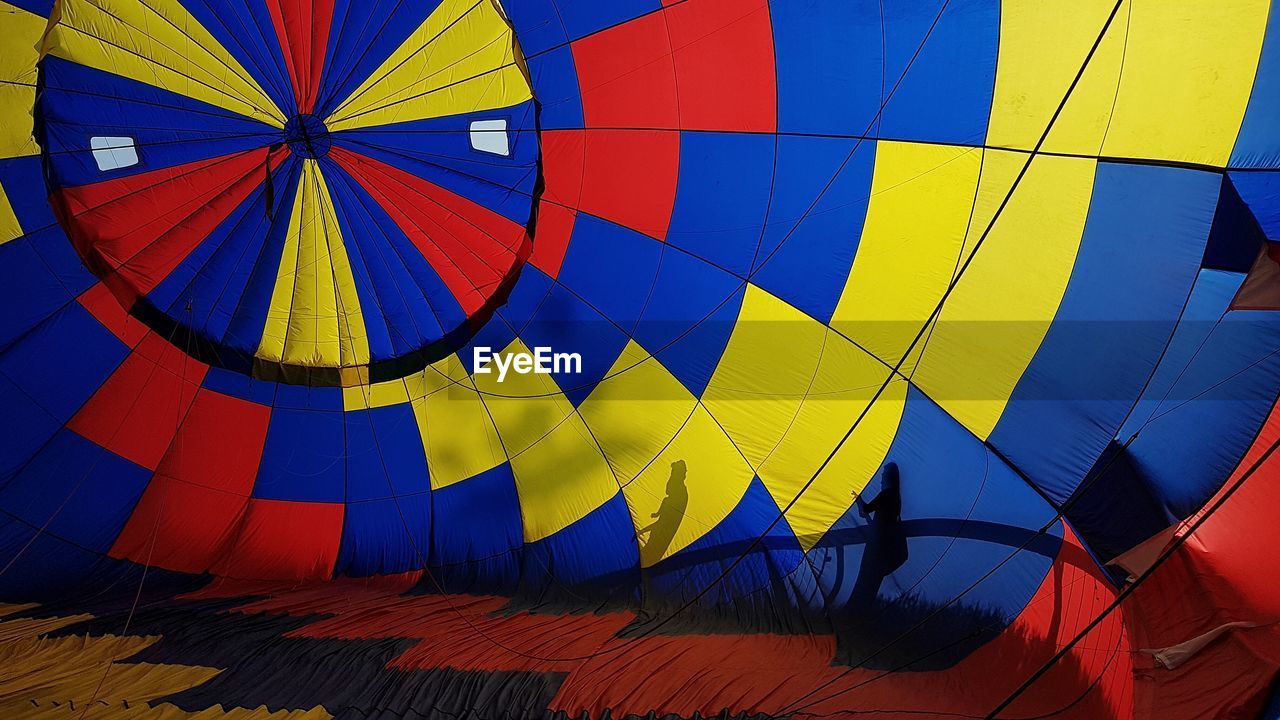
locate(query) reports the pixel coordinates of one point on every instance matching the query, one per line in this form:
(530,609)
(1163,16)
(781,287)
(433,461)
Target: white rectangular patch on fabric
(490,136)
(113,153)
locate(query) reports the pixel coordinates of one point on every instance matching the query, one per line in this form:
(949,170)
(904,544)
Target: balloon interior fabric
(917,359)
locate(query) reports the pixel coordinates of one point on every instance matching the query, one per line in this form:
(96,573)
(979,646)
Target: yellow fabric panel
(525,408)
(19,43)
(636,411)
(9,226)
(160,44)
(765,370)
(138,711)
(365,397)
(70,669)
(36,672)
(786,390)
(1042,45)
(921,197)
(461,59)
(16,608)
(1188,73)
(561,479)
(560,473)
(457,433)
(998,314)
(645,421)
(25,627)
(847,378)
(315,318)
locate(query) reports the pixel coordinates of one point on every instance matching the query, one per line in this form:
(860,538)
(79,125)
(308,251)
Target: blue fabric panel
(38,7)
(304,457)
(385,458)
(964,514)
(936,102)
(584,17)
(1116,482)
(211,291)
(1132,276)
(235,384)
(526,296)
(1236,236)
(1211,393)
(168,129)
(43,270)
(241,314)
(43,568)
(49,570)
(555,84)
(566,324)
(387,536)
(375,284)
(246,31)
(362,36)
(1258,144)
(28,199)
(819,204)
(814,94)
(449,174)
(612,268)
(762,567)
(63,361)
(537,26)
(531,289)
(409,293)
(302,397)
(47,375)
(26,427)
(722,195)
(1261,192)
(476,533)
(689,318)
(440,152)
(32,291)
(78,491)
(496,335)
(596,555)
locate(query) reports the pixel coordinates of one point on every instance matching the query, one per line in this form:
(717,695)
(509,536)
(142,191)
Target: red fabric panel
(276,597)
(1226,572)
(756,673)
(471,247)
(192,507)
(136,412)
(104,307)
(627,76)
(725,72)
(629,178)
(133,231)
(562,158)
(522,639)
(302,27)
(772,674)
(555,225)
(284,539)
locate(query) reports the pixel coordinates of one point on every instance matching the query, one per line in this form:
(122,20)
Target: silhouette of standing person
(662,531)
(886,546)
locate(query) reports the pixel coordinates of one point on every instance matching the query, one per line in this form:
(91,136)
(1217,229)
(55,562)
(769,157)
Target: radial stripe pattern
(363,214)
